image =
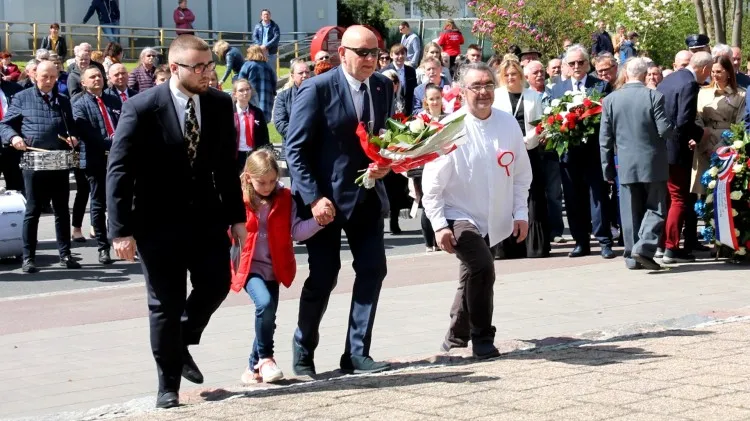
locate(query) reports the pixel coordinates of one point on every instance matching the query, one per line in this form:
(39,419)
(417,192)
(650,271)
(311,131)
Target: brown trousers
(471,312)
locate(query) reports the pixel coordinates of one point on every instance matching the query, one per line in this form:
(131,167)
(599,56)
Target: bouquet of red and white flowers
(570,120)
(408,143)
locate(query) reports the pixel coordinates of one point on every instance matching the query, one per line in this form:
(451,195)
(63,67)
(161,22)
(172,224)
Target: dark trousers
(9,166)
(364,233)
(471,312)
(241,159)
(176,321)
(41,187)
(97,180)
(679,201)
(82,197)
(427,232)
(587,201)
(554,191)
(643,209)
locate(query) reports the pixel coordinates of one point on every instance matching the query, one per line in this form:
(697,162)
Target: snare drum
(12,208)
(49,161)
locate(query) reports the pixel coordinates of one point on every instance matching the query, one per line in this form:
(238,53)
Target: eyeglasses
(576,63)
(477,89)
(200,67)
(384,58)
(365,52)
(324,58)
(604,71)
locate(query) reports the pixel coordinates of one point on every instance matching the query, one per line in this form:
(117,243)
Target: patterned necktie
(192,130)
(365,117)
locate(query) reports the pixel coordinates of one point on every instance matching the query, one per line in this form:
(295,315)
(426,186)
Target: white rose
(712,184)
(737,168)
(547,110)
(734,212)
(709,199)
(569,92)
(417,125)
(742,251)
(713,171)
(555,102)
(738,144)
(578,99)
(736,195)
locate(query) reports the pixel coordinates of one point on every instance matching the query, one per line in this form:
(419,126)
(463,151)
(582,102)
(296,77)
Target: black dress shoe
(357,364)
(302,365)
(68,263)
(579,251)
(190,370)
(29,266)
(104,257)
(607,252)
(165,400)
(647,262)
(79,239)
(484,350)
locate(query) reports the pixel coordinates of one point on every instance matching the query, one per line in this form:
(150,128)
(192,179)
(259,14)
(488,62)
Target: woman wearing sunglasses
(383,60)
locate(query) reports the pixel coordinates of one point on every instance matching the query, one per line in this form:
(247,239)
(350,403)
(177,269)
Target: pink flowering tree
(538,24)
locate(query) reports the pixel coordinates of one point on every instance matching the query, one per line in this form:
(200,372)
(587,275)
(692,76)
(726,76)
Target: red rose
(539,129)
(587,102)
(550,120)
(747,245)
(571,125)
(558,117)
(572,118)
(400,117)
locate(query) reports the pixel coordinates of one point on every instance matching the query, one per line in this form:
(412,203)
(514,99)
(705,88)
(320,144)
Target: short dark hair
(265,10)
(397,48)
(55,26)
(473,47)
(188,42)
(404,24)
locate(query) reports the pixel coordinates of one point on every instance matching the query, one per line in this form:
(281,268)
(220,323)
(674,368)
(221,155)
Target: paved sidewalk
(699,374)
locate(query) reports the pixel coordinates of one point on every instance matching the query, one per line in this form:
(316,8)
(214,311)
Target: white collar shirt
(358,96)
(180,101)
(574,83)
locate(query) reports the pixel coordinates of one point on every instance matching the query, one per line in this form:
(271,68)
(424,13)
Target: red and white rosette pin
(504,159)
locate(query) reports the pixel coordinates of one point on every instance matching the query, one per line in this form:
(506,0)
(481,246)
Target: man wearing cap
(698,42)
(528,55)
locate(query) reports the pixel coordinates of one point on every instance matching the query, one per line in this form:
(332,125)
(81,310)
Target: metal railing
(296,44)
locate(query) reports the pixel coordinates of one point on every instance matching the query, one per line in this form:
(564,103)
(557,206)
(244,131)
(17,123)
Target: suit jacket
(407,89)
(260,131)
(680,91)
(153,193)
(113,91)
(592,84)
(282,109)
(91,127)
(633,120)
(322,148)
(532,110)
(602,44)
(743,80)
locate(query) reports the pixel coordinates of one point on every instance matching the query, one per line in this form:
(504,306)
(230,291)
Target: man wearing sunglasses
(322,55)
(172,187)
(586,193)
(325,158)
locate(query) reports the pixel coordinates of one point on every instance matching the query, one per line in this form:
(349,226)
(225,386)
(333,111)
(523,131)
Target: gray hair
(80,47)
(701,59)
(721,50)
(146,51)
(482,67)
(32,63)
(636,68)
(577,48)
(42,54)
(527,69)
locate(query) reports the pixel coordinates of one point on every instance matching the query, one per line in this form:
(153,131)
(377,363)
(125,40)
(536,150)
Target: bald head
(46,76)
(360,36)
(682,59)
(46,65)
(118,76)
(358,52)
(701,63)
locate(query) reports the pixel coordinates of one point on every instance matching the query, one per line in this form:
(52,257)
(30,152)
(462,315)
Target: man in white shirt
(477,192)
(413,45)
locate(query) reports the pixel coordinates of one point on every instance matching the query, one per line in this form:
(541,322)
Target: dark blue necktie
(365,118)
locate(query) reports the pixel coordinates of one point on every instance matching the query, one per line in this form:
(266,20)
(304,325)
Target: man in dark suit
(325,157)
(585,191)
(176,192)
(680,90)
(602,40)
(10,157)
(406,75)
(633,120)
(118,83)
(96,115)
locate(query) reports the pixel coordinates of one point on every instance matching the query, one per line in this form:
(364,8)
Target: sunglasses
(365,52)
(384,58)
(325,58)
(577,62)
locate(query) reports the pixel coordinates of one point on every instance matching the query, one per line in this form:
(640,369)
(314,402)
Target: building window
(411,10)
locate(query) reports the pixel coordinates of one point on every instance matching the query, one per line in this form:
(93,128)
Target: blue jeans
(272,61)
(265,295)
(112,33)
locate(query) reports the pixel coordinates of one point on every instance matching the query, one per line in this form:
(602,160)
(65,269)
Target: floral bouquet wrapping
(408,143)
(570,120)
(726,209)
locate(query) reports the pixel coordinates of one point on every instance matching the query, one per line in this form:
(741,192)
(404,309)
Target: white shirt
(469,185)
(583,84)
(242,115)
(180,101)
(358,96)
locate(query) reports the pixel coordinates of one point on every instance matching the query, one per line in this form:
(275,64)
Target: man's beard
(195,88)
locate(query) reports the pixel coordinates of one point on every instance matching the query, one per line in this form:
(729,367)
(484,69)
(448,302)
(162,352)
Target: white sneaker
(659,253)
(269,371)
(250,377)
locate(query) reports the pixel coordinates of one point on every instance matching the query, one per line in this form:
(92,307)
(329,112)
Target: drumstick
(36,149)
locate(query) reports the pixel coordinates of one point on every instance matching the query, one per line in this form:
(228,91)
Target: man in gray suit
(634,123)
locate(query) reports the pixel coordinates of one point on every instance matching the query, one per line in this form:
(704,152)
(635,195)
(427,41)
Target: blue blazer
(95,141)
(322,148)
(680,91)
(592,84)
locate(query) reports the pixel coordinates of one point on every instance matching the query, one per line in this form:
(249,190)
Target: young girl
(267,258)
(249,121)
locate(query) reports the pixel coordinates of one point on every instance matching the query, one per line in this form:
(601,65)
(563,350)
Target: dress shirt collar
(583,82)
(241,110)
(695,76)
(177,93)
(354,84)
